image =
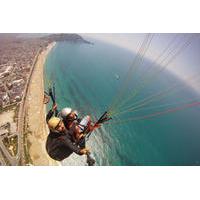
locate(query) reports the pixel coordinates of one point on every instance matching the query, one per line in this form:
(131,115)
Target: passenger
(62,142)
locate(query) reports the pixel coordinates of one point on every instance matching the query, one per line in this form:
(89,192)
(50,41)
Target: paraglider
(126,100)
(68,133)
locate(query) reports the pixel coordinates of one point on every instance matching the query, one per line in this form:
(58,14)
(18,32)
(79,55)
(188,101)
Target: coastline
(36,130)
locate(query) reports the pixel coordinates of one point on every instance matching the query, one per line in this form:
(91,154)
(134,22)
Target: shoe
(90,160)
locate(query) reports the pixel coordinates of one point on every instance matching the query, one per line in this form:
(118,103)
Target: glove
(84,151)
(92,128)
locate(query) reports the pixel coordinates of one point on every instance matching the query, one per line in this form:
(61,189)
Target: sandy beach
(36,129)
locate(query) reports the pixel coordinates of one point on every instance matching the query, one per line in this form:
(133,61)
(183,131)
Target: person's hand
(54,107)
(97,125)
(84,151)
(92,128)
(80,136)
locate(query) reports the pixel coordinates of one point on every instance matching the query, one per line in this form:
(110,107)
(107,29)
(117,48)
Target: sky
(185,65)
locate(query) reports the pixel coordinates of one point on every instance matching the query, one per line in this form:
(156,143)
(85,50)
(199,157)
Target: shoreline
(36,130)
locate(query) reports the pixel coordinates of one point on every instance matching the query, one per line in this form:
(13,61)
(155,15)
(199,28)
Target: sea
(91,78)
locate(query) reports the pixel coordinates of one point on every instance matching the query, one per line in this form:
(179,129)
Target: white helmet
(65,111)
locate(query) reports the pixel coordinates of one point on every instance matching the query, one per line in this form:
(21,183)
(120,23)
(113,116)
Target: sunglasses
(59,125)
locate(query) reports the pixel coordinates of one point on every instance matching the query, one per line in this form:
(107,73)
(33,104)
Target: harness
(101,120)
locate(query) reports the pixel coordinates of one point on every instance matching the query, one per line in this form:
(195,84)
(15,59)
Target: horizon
(183,66)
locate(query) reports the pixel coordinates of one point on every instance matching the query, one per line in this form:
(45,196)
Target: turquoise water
(88,77)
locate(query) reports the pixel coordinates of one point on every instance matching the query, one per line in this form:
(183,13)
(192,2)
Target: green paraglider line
(139,56)
(150,67)
(156,97)
(156,113)
(166,105)
(152,78)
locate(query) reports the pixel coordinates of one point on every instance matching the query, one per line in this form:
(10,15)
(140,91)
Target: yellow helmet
(53,122)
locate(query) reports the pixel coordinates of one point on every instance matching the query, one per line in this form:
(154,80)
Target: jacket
(60,145)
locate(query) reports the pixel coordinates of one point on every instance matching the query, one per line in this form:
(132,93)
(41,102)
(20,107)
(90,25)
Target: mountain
(66,37)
